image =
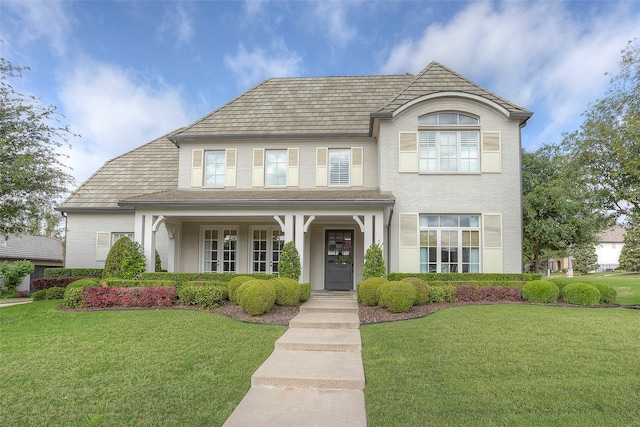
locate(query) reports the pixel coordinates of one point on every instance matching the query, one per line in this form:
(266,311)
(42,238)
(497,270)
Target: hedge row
(468,277)
(51,282)
(132,283)
(73,272)
(111,296)
(190,277)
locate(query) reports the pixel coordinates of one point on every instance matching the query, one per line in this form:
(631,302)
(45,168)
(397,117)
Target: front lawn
(125,367)
(626,284)
(505,365)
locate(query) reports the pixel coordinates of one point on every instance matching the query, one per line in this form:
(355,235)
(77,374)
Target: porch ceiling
(262,198)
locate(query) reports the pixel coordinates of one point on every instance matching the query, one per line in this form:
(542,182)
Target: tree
(585,259)
(630,253)
(607,145)
(289,262)
(11,275)
(373,263)
(125,260)
(556,210)
(32,174)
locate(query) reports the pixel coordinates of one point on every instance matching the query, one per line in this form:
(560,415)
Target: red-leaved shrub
(111,296)
(51,282)
(468,293)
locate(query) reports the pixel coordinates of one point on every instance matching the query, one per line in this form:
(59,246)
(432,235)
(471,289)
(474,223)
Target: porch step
(328,305)
(311,369)
(334,295)
(313,339)
(325,320)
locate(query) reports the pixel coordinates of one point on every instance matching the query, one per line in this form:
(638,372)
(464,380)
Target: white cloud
(251,67)
(177,24)
(115,110)
(333,21)
(33,21)
(538,53)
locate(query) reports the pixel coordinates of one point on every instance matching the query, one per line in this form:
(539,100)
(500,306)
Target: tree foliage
(373,263)
(32,174)
(607,145)
(630,254)
(289,262)
(556,210)
(125,260)
(11,275)
(585,259)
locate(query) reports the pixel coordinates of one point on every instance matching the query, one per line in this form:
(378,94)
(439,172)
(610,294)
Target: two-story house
(428,166)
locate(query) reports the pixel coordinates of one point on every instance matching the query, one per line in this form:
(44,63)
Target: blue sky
(125,72)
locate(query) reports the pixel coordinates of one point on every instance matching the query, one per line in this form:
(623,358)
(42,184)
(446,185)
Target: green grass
(514,365)
(627,285)
(133,367)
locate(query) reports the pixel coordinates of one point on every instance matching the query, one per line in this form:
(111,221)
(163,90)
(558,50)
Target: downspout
(64,245)
(389,238)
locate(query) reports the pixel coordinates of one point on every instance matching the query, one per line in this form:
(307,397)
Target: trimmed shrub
(73,272)
(540,291)
(187,295)
(468,293)
(73,297)
(234,284)
(373,263)
(440,294)
(111,296)
(468,277)
(204,294)
(289,262)
(256,297)
(180,278)
(305,291)
(287,291)
(84,283)
(560,282)
(54,293)
(397,297)
(50,282)
(132,283)
(368,290)
(499,293)
(581,294)
(608,295)
(125,260)
(422,289)
(39,295)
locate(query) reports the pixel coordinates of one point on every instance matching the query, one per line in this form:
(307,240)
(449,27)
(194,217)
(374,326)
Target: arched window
(449,142)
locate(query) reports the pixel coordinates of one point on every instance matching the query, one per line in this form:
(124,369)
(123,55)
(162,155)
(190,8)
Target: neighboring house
(428,166)
(610,243)
(43,252)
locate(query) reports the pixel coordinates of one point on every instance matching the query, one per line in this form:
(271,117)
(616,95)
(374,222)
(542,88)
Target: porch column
(149,243)
(138,228)
(288,228)
(379,233)
(368,231)
(299,240)
(171,253)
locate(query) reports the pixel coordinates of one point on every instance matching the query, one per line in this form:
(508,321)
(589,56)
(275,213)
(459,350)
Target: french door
(266,245)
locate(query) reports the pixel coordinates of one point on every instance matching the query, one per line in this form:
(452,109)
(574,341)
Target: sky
(126,72)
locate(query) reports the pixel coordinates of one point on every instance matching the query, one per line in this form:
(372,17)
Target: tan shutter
(258,167)
(292,167)
(491,149)
(492,252)
(408,251)
(231,157)
(197,157)
(322,155)
(408,155)
(357,170)
(103,244)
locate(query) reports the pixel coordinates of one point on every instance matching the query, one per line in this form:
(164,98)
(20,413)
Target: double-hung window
(339,167)
(275,172)
(449,243)
(448,142)
(215,167)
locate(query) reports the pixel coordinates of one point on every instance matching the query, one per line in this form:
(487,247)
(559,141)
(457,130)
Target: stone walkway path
(314,377)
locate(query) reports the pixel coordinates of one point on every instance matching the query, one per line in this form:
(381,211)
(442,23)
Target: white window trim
(220,240)
(459,229)
(438,144)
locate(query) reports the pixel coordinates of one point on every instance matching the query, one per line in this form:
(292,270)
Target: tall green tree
(607,145)
(32,173)
(556,212)
(585,259)
(630,253)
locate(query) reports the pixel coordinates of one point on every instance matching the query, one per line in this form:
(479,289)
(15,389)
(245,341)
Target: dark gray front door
(338,270)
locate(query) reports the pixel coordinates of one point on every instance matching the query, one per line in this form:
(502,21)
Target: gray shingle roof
(262,198)
(614,234)
(150,168)
(23,246)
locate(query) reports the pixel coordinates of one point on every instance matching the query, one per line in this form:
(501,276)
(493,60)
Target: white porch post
(149,243)
(138,228)
(288,228)
(379,233)
(172,231)
(299,241)
(368,231)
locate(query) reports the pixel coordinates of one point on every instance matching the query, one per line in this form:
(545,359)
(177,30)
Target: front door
(338,270)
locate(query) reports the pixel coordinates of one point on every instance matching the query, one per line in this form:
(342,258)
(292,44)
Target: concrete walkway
(315,375)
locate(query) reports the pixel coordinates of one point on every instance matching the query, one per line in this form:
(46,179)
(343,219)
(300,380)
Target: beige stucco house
(428,166)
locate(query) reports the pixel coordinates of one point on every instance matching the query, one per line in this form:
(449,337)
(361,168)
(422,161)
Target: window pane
(448,221)
(448,118)
(339,167)
(467,120)
(431,119)
(276,167)
(214,168)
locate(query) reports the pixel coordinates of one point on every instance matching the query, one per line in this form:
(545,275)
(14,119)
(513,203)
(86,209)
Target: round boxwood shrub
(210,296)
(422,289)
(287,291)
(397,297)
(256,296)
(581,294)
(234,284)
(560,282)
(540,291)
(305,291)
(368,290)
(608,295)
(439,294)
